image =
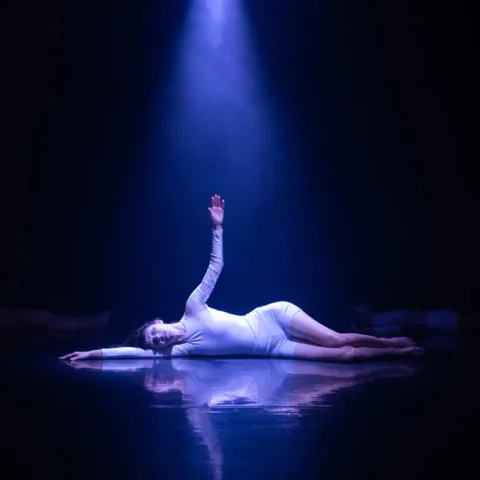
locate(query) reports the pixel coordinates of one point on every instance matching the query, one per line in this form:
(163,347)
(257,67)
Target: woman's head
(152,335)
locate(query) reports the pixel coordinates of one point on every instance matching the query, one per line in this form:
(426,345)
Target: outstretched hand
(216,209)
(75,356)
(88,364)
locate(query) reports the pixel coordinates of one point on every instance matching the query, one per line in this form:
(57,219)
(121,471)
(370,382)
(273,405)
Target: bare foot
(402,342)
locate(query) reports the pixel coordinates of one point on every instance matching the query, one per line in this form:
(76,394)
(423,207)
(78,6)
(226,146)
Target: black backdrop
(377,94)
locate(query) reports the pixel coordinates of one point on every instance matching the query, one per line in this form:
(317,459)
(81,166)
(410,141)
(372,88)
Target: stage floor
(237,418)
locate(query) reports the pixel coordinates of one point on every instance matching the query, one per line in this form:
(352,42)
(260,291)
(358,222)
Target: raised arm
(200,295)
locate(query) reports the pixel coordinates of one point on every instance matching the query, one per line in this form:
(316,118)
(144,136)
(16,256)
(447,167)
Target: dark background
(377,200)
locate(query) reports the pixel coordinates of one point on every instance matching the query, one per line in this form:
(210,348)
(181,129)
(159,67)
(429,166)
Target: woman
(277,330)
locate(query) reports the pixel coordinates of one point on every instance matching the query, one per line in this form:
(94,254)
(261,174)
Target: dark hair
(137,337)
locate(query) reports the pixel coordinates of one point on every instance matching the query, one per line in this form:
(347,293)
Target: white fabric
(210,332)
(262,332)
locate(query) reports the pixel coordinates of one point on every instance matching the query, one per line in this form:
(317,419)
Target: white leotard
(210,332)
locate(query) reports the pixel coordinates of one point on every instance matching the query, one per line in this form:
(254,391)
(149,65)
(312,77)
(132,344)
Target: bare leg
(348,354)
(306,328)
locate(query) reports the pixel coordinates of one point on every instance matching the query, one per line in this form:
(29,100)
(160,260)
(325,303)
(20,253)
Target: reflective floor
(236,418)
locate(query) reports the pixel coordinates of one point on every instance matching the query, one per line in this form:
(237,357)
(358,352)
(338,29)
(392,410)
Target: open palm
(216,209)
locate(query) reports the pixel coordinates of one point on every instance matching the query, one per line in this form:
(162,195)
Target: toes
(405,342)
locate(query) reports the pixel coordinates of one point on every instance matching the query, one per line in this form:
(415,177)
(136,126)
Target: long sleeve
(200,295)
(180,350)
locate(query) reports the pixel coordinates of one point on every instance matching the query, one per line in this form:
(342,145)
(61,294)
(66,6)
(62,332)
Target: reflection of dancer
(277,386)
(264,383)
(277,330)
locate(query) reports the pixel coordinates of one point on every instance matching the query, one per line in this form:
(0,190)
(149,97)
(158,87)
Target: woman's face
(159,335)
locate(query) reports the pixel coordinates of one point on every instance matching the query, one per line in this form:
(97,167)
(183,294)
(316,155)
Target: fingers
(67,357)
(216,201)
(70,357)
